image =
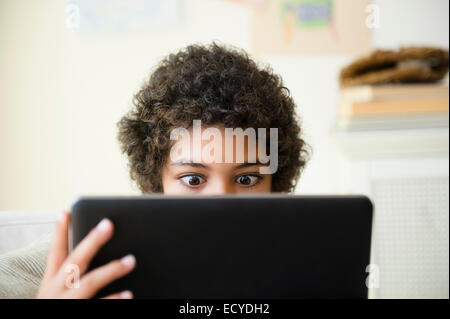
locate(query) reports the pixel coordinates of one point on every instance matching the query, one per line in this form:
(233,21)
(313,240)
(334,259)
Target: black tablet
(234,246)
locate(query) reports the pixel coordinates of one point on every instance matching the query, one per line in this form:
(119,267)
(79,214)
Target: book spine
(394,107)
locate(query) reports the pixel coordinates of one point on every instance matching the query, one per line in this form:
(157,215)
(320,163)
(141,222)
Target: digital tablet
(234,246)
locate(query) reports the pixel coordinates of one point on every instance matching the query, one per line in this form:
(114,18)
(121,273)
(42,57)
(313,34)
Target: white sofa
(20,228)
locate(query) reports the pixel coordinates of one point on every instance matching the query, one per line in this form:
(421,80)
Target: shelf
(394,142)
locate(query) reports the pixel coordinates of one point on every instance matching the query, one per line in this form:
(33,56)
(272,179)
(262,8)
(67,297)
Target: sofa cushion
(20,228)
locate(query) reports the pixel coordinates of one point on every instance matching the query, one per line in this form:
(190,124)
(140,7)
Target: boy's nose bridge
(221,187)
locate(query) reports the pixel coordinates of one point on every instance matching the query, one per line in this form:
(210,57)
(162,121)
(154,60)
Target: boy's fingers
(59,248)
(121,295)
(98,278)
(90,245)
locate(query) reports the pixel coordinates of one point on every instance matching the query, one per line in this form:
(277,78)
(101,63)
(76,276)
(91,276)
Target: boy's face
(189,170)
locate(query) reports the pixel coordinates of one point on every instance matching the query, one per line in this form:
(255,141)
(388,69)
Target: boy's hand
(65,275)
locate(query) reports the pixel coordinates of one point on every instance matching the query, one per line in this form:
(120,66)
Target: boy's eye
(247,180)
(192,180)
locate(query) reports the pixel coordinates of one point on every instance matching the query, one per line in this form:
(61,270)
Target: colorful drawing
(308,13)
(119,15)
(311,27)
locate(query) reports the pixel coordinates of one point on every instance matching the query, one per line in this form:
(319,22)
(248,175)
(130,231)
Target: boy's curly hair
(220,86)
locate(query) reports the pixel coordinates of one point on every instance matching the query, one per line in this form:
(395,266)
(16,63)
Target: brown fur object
(409,64)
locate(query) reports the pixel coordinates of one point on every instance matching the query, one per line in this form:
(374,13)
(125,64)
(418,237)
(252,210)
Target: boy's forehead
(215,141)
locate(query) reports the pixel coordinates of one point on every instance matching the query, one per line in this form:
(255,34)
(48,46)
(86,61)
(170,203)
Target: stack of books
(400,106)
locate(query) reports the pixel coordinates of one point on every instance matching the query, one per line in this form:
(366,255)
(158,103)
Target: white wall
(412,22)
(33,135)
(61,93)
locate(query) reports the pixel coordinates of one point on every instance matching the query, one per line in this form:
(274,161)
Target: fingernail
(126,295)
(128,260)
(104,225)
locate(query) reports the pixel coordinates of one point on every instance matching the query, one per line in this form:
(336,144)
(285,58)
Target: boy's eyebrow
(244,165)
(199,165)
(188,163)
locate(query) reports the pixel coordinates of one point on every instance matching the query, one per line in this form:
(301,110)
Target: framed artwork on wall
(312,27)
